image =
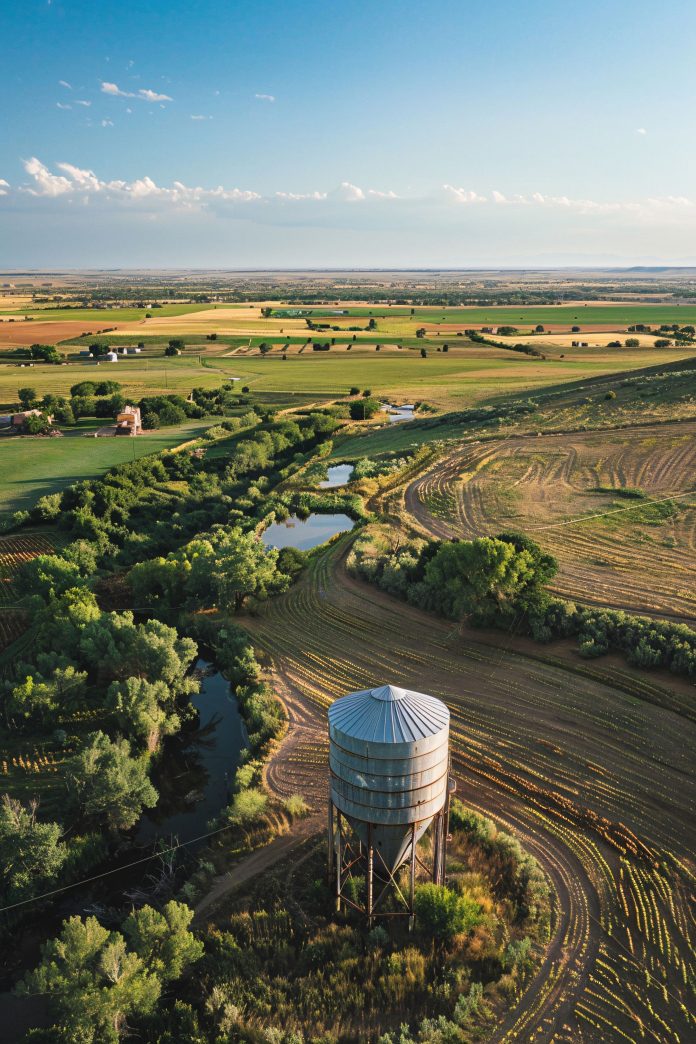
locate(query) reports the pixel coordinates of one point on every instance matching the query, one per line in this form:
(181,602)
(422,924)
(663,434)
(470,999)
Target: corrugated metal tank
(389,761)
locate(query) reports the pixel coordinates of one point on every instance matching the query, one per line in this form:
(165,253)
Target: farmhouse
(128,421)
(18,419)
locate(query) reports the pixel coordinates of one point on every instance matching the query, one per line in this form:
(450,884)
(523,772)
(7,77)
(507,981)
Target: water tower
(389,766)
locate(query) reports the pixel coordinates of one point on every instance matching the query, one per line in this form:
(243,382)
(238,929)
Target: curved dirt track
(631,558)
(583,767)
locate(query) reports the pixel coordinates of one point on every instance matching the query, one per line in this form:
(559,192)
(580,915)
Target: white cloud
(348,193)
(4,187)
(152,96)
(201,117)
(45,183)
(641,130)
(81,101)
(294,197)
(107,123)
(64,83)
(265,97)
(59,105)
(70,181)
(462,195)
(79,181)
(144,94)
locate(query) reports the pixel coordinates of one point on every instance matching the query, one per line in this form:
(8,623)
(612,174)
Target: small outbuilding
(111,357)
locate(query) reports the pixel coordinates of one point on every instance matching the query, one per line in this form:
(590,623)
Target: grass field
(137,376)
(30,468)
(103,315)
(512,315)
(451,381)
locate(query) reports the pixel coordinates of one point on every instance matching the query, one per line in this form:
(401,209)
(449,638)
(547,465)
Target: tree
(49,576)
(101,388)
(420,332)
(64,414)
(354,390)
(45,352)
(36,424)
(107,785)
(442,914)
(235,566)
(632,342)
(372,324)
(99,348)
(27,396)
(31,853)
(363,409)
(162,940)
(118,648)
(483,577)
(424,354)
(92,982)
(41,698)
(176,345)
(539,328)
(140,710)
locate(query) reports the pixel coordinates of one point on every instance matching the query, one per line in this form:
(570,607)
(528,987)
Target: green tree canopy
(477,576)
(163,940)
(107,785)
(27,396)
(141,710)
(93,983)
(31,853)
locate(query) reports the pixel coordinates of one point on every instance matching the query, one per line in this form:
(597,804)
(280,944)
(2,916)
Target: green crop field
(511,315)
(452,380)
(103,315)
(30,468)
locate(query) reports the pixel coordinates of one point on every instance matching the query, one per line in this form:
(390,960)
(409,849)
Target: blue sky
(317,133)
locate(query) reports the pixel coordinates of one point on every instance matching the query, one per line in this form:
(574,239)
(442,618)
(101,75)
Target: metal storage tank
(389,766)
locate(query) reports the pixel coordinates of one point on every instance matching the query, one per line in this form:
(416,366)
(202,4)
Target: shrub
(247,806)
(296,806)
(442,914)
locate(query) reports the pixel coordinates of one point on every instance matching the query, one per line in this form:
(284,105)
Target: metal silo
(389,765)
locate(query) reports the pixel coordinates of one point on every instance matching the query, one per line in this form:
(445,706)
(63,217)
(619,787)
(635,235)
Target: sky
(312,133)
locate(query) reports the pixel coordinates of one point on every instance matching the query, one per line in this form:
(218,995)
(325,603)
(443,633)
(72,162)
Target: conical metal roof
(388,714)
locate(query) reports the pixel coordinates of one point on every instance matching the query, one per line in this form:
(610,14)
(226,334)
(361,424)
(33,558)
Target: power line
(614,511)
(116,870)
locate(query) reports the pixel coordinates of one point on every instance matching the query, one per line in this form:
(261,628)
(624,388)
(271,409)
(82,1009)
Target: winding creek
(194,773)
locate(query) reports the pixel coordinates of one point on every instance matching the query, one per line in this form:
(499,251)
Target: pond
(337,475)
(305,533)
(399,413)
(197,766)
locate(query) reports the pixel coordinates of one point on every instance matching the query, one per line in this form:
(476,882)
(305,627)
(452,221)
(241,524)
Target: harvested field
(19,334)
(628,554)
(14,552)
(580,761)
